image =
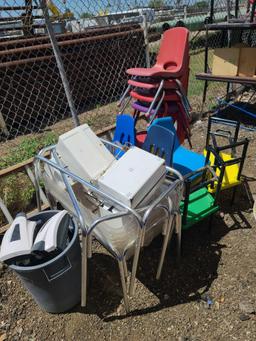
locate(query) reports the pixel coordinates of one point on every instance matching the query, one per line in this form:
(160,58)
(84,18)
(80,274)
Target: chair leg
(125,269)
(248,193)
(89,246)
(84,271)
(143,237)
(135,263)
(178,232)
(164,248)
(233,196)
(123,282)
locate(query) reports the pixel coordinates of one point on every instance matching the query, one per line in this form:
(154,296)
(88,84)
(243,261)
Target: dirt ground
(219,269)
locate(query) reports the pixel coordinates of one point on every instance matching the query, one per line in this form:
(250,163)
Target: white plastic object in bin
(53,234)
(131,178)
(83,152)
(18,239)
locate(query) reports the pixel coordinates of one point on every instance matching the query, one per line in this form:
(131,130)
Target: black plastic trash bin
(56,284)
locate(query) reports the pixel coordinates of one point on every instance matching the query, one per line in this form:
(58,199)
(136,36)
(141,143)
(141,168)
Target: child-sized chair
(184,160)
(219,131)
(172,60)
(125,132)
(199,203)
(160,141)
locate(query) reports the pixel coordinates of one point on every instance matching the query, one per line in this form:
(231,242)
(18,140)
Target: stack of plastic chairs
(121,230)
(161,90)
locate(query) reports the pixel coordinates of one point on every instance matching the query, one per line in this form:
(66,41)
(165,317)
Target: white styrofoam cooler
(83,152)
(131,178)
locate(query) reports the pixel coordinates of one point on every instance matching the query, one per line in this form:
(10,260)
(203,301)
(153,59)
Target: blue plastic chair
(184,160)
(160,141)
(125,130)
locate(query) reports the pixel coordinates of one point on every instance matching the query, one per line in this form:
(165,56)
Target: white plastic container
(133,177)
(83,152)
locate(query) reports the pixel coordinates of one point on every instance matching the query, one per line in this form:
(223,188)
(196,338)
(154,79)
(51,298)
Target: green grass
(196,87)
(29,146)
(16,190)
(196,66)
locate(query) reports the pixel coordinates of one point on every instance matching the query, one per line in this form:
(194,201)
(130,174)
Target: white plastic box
(133,176)
(83,152)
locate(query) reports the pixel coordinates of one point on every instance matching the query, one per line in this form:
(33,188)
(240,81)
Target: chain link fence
(96,41)
(79,70)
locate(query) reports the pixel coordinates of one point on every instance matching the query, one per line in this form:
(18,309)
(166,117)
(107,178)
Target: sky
(93,6)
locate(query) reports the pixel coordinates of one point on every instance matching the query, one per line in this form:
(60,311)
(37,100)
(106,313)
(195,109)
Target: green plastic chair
(199,203)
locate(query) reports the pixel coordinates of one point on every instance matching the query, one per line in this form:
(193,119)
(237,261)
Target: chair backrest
(160,141)
(174,49)
(167,123)
(207,179)
(222,128)
(125,129)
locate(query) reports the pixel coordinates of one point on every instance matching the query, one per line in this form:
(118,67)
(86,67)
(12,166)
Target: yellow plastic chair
(228,152)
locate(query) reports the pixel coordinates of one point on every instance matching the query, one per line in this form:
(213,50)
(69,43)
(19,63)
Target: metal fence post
(185,12)
(146,41)
(60,65)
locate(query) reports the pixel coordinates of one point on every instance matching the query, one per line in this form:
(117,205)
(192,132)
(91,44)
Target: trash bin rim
(39,266)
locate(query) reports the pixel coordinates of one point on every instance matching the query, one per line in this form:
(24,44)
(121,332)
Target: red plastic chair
(180,83)
(164,83)
(182,118)
(173,57)
(168,97)
(171,71)
(172,64)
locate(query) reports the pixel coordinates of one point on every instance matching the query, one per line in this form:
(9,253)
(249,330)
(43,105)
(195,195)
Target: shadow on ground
(180,284)
(243,112)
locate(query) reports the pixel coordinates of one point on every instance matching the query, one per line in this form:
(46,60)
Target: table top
(231,79)
(231,25)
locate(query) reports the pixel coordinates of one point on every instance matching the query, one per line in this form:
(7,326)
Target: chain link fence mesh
(98,41)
